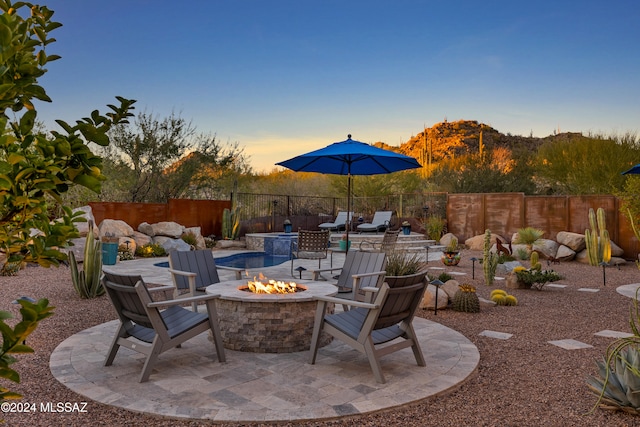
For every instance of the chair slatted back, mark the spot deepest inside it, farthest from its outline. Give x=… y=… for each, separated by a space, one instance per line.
x=399 y=305
x=200 y=262
x=313 y=241
x=124 y=297
x=359 y=262
x=389 y=240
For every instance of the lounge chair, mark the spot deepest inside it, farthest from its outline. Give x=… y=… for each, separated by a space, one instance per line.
x=380 y=222
x=367 y=326
x=193 y=271
x=360 y=269
x=310 y=245
x=339 y=224
x=156 y=331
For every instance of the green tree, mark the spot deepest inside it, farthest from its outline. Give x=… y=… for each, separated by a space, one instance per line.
x=585 y=164
x=34 y=168
x=489 y=171
x=158 y=159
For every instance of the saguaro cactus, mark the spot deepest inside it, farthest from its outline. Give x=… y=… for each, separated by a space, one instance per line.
x=230 y=224
x=597 y=238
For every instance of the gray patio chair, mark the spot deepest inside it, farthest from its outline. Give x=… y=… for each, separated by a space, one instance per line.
x=380 y=222
x=193 y=271
x=339 y=224
x=387 y=245
x=368 y=326
x=156 y=331
x=310 y=245
x=360 y=269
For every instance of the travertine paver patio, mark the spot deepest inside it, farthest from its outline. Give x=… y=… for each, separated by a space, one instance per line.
x=189 y=382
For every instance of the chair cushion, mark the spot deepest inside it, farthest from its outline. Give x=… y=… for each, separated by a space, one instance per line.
x=350 y=322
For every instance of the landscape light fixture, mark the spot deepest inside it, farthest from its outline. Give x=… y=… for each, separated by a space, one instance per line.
x=473 y=267
x=604 y=274
x=300 y=269
x=437 y=283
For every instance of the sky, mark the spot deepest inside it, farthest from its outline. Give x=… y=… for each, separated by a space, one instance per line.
x=284 y=77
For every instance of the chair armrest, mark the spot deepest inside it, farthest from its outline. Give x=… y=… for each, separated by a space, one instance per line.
x=365 y=243
x=161 y=288
x=238 y=271
x=182 y=273
x=348 y=302
x=195 y=299
x=374 y=273
x=370 y=289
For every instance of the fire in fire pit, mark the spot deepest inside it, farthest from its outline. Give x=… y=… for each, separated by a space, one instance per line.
x=269 y=286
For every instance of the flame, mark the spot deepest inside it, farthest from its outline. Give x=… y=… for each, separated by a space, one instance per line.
x=270 y=286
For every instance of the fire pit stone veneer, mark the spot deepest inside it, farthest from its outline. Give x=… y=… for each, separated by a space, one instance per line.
x=268 y=323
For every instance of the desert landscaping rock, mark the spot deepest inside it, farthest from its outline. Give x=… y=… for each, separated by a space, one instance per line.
x=115 y=228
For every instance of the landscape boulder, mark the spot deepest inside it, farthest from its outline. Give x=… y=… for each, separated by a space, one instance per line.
x=167 y=228
x=546 y=248
x=169 y=244
x=115 y=228
x=565 y=253
x=450 y=287
x=476 y=243
x=429 y=298
x=141 y=239
x=574 y=241
x=146 y=229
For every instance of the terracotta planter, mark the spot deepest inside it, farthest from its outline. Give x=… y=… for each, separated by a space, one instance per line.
x=450 y=258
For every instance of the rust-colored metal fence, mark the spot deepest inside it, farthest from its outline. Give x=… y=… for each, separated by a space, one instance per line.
x=504 y=213
x=206 y=214
x=467 y=215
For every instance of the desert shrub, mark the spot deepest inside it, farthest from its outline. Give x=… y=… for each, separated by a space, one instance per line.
x=190 y=239
x=150 y=250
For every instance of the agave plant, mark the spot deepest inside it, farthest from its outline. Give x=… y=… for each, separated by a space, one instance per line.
x=618 y=384
x=87 y=281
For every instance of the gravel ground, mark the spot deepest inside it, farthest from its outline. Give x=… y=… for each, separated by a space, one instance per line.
x=523 y=381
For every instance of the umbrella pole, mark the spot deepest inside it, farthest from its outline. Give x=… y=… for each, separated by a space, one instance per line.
x=349 y=219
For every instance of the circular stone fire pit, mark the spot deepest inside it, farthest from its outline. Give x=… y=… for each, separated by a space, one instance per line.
x=268 y=323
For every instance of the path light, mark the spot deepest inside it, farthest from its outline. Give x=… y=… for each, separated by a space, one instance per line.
x=300 y=269
x=473 y=267
x=604 y=274
x=437 y=283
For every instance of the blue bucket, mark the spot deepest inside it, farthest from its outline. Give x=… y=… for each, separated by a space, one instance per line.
x=109 y=253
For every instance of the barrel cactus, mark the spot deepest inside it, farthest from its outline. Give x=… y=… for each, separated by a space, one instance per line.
x=501 y=297
x=466 y=299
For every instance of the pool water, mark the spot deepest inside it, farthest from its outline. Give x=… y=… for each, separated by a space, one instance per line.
x=245 y=260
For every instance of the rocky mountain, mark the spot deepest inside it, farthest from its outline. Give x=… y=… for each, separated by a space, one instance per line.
x=447 y=140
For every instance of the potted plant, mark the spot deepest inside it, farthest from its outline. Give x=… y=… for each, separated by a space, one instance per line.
x=344 y=243
x=451 y=255
x=404 y=269
x=287 y=226
x=406 y=228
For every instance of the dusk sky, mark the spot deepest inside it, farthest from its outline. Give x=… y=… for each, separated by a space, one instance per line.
x=281 y=78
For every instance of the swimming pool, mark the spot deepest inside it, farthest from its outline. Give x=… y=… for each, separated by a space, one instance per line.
x=245 y=260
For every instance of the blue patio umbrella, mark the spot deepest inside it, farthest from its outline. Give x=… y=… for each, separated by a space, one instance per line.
x=633 y=171
x=349 y=158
